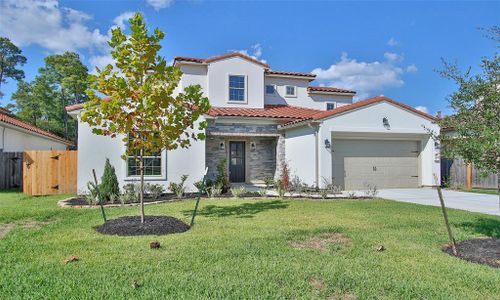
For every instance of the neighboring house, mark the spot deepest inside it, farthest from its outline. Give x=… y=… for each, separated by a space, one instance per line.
x=18 y=136
x=261 y=118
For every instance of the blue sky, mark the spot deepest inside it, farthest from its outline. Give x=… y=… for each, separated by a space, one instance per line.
x=390 y=48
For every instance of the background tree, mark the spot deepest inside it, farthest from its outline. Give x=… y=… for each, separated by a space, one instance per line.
x=476 y=114
x=140 y=106
x=10 y=58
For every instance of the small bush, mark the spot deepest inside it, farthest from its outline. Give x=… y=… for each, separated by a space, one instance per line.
x=178 y=188
x=296 y=185
x=262 y=192
x=92 y=196
x=222 y=176
x=238 y=191
x=280 y=187
x=371 y=190
x=214 y=190
x=109 y=183
x=269 y=182
x=154 y=190
x=285 y=177
x=130 y=193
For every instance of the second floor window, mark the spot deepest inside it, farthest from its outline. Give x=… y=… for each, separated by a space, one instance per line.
x=269 y=89
x=290 y=91
x=236 y=88
x=330 y=106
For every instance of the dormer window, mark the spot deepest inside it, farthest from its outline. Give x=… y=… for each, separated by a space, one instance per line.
x=330 y=105
x=290 y=91
x=237 y=88
x=270 y=88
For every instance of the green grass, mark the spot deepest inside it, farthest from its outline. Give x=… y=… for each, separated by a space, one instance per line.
x=239 y=249
x=482 y=191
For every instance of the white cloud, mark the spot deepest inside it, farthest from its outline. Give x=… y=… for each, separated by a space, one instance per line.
x=411 y=68
x=100 y=61
x=255 y=52
x=119 y=21
x=159 y=4
x=392 y=42
x=49 y=25
x=366 y=78
x=422 y=109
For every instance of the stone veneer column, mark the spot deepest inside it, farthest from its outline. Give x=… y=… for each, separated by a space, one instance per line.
x=280 y=155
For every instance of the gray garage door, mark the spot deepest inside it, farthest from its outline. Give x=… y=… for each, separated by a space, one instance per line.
x=383 y=163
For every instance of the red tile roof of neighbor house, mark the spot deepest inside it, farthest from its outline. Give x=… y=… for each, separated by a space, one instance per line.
x=7 y=118
x=74 y=107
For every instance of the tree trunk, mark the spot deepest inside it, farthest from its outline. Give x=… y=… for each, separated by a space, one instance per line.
x=498 y=187
x=141 y=194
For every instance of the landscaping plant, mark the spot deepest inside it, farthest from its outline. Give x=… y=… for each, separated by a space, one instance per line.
x=109 y=183
x=238 y=191
x=130 y=193
x=222 y=176
x=178 y=188
x=139 y=105
x=155 y=190
x=93 y=193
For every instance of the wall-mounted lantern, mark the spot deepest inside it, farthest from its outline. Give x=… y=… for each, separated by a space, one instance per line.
x=385 y=122
x=221 y=145
x=328 y=145
x=253 y=145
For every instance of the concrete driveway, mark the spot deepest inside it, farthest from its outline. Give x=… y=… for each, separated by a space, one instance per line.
x=482 y=203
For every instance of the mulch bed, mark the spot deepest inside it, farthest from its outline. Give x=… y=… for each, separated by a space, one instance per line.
x=483 y=251
x=153 y=225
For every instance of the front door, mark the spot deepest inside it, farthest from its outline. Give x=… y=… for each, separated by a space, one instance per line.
x=237 y=161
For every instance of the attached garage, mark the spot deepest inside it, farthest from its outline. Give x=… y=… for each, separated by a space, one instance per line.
x=383 y=163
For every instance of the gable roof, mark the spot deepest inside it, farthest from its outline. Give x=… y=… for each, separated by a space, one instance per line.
x=288 y=73
x=220 y=57
x=13 y=121
x=269 y=111
x=346 y=108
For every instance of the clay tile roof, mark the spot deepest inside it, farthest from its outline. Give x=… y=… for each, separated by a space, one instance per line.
x=216 y=58
x=74 y=107
x=8 y=118
x=329 y=90
x=269 y=111
x=286 y=73
x=328 y=113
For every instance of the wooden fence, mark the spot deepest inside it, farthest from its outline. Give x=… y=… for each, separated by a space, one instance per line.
x=49 y=172
x=457 y=174
x=11 y=170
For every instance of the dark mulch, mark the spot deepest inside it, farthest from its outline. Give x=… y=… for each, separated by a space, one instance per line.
x=153 y=225
x=484 y=251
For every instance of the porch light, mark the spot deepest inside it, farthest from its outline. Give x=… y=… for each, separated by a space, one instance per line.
x=253 y=145
x=328 y=145
x=221 y=145
x=385 y=122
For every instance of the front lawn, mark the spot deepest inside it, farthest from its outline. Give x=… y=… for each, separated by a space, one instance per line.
x=241 y=249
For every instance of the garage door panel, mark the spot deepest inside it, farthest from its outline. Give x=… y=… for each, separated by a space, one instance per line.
x=385 y=164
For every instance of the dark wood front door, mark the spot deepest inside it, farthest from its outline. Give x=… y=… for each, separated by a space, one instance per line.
x=237 y=161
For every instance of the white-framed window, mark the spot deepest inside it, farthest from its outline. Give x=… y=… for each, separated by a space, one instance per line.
x=270 y=88
x=331 y=105
x=237 y=89
x=152 y=164
x=290 y=91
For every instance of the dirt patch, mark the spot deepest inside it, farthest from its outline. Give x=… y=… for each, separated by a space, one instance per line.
x=484 y=251
x=317 y=283
x=5 y=228
x=322 y=242
x=153 y=225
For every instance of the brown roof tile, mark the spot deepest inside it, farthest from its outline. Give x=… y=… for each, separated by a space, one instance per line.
x=329 y=90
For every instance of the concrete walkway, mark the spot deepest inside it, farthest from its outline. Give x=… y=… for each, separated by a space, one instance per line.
x=475 y=202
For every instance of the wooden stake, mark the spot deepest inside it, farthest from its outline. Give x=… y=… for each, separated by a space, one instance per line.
x=445 y=215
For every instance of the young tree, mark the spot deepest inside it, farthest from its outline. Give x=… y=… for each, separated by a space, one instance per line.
x=10 y=57
x=476 y=118
x=141 y=104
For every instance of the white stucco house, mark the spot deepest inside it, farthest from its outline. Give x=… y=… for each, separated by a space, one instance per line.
x=261 y=118
x=18 y=136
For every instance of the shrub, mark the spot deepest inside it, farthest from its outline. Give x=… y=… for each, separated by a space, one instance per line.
x=285 y=177
x=222 y=176
x=109 y=183
x=371 y=190
x=130 y=193
x=154 y=190
x=178 y=188
x=262 y=192
x=269 y=182
x=296 y=185
x=214 y=190
x=92 y=196
x=238 y=191
x=280 y=187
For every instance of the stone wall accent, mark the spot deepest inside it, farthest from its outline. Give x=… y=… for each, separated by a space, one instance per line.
x=280 y=156
x=260 y=160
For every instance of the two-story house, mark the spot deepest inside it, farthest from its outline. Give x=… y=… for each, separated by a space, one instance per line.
x=262 y=118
